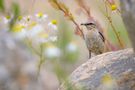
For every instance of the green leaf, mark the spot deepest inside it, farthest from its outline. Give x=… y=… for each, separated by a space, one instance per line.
x=16 y=11
x=2 y=7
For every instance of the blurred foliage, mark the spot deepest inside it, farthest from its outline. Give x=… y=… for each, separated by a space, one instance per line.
x=16 y=12
x=54 y=41
x=2 y=5
x=67 y=43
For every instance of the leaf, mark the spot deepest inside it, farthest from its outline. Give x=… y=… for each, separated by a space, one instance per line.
x=16 y=11
x=2 y=7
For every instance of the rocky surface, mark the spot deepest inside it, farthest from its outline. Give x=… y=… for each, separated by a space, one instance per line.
x=116 y=68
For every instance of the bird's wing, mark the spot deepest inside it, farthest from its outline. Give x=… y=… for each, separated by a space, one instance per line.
x=102 y=37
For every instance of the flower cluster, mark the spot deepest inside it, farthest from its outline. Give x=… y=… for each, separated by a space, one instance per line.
x=37 y=28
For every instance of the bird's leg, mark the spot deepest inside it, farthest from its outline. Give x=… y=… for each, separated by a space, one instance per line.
x=89 y=54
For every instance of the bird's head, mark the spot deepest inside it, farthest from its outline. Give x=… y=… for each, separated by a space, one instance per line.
x=89 y=26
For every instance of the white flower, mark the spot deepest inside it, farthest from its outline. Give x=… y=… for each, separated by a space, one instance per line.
x=53 y=38
x=41 y=40
x=34 y=31
x=42 y=37
x=52 y=52
x=19 y=31
x=41 y=17
x=7 y=19
x=52 y=26
x=27 y=18
x=71 y=47
x=19 y=18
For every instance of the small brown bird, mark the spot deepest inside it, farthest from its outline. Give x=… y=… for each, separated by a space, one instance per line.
x=94 y=39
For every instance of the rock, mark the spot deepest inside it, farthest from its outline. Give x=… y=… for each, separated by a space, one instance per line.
x=108 y=71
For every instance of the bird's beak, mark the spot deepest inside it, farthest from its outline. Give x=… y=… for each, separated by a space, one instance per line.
x=83 y=24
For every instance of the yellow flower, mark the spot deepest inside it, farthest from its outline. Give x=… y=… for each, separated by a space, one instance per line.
x=8 y=17
x=20 y=18
x=113 y=7
x=54 y=22
x=17 y=28
x=107 y=79
x=39 y=15
x=33 y=24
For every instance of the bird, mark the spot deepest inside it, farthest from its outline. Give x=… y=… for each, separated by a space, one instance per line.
x=94 y=39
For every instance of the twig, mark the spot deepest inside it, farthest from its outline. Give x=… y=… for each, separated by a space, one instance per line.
x=41 y=59
x=69 y=14
x=113 y=28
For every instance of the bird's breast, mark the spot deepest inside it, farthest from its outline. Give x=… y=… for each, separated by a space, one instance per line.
x=94 y=41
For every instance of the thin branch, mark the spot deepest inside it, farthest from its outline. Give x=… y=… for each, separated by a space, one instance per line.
x=41 y=59
x=32 y=6
x=69 y=14
x=113 y=27
x=32 y=48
